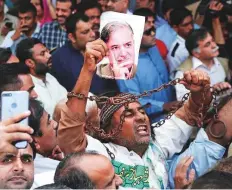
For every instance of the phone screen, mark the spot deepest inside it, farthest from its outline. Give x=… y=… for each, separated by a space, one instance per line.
x=14 y=103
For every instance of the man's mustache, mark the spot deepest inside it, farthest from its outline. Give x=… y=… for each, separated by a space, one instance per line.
x=61 y=17
x=215 y=49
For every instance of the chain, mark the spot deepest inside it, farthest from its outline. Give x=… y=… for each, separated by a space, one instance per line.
x=120 y=100
x=170 y=114
x=215 y=104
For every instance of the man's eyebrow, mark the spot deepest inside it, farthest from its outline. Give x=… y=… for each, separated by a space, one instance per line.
x=31 y=88
x=27 y=155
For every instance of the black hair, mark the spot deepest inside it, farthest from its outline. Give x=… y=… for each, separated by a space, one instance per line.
x=144 y=12
x=171 y=4
x=76 y=179
x=53 y=186
x=194 y=37
x=24 y=48
x=32 y=145
x=73 y=19
x=87 y=4
x=37 y=110
x=27 y=7
x=73 y=3
x=9 y=80
x=213 y=180
x=177 y=16
x=5 y=54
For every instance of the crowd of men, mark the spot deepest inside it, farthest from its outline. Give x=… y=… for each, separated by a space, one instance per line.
x=89 y=132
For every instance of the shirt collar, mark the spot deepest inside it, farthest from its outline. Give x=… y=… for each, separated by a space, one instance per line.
x=40 y=81
x=180 y=39
x=37 y=29
x=129 y=12
x=197 y=62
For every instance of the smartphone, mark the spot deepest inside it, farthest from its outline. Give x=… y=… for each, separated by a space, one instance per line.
x=14 y=103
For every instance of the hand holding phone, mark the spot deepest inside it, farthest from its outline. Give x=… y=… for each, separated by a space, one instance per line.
x=11 y=131
x=13 y=104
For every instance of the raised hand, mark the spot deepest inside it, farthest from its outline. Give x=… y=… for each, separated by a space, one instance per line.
x=119 y=70
x=94 y=53
x=11 y=131
x=222 y=86
x=182 y=179
x=196 y=80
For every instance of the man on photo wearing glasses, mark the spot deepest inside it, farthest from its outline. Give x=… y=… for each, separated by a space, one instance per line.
x=119 y=38
x=151 y=73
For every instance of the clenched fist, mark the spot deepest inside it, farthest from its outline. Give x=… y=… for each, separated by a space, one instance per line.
x=196 y=80
x=94 y=53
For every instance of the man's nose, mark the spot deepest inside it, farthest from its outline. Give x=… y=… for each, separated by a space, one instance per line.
x=109 y=3
x=22 y=22
x=92 y=35
x=48 y=55
x=140 y=116
x=118 y=180
x=96 y=20
x=190 y=26
x=18 y=166
x=33 y=94
x=59 y=13
x=122 y=51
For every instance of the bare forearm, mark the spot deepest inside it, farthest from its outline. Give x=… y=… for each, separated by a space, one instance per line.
x=52 y=11
x=217 y=31
x=197 y=104
x=82 y=86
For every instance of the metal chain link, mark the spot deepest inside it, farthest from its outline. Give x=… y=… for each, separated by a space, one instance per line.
x=120 y=100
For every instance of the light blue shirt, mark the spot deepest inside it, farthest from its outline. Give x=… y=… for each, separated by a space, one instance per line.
x=159 y=21
x=166 y=34
x=151 y=73
x=206 y=154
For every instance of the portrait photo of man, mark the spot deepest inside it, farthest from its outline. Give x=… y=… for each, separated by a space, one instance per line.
x=121 y=61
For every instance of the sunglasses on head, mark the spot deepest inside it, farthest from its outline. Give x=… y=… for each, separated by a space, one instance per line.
x=149 y=31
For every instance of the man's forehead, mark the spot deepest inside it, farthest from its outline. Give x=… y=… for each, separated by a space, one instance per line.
x=81 y=25
x=39 y=47
x=187 y=20
x=121 y=34
x=208 y=38
x=22 y=15
x=19 y=152
x=131 y=106
x=92 y=11
x=64 y=5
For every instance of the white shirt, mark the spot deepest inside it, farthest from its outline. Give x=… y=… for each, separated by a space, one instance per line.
x=49 y=93
x=216 y=73
x=43 y=179
x=44 y=170
x=170 y=139
x=177 y=54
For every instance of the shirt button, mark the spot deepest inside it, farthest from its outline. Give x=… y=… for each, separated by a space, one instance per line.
x=131 y=154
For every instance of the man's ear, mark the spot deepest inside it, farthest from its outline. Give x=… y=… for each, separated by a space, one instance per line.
x=30 y=63
x=196 y=53
x=71 y=38
x=37 y=146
